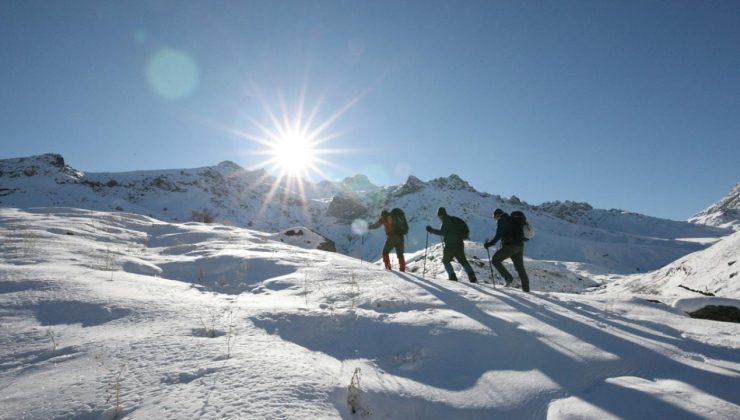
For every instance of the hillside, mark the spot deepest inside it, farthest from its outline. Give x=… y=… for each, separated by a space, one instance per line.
x=116 y=314
x=724 y=213
x=611 y=240
x=714 y=270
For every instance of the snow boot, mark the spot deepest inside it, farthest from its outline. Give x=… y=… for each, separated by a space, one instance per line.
x=402 y=263
x=387 y=261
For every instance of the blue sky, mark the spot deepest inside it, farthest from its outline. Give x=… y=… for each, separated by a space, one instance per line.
x=632 y=105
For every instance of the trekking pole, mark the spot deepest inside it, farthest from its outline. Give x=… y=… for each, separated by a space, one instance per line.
x=426 y=245
x=362 y=248
x=490 y=265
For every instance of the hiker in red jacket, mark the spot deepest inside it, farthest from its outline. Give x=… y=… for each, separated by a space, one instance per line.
x=395 y=227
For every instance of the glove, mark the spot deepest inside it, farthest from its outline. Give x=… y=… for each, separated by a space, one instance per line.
x=429 y=228
x=487 y=244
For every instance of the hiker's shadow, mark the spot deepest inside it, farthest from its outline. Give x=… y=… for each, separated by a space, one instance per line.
x=453 y=343
x=574 y=375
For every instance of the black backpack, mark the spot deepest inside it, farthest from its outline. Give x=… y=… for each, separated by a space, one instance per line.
x=527 y=231
x=400 y=226
x=460 y=227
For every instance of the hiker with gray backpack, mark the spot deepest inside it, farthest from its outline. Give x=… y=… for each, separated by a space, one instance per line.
x=454 y=230
x=396 y=227
x=511 y=230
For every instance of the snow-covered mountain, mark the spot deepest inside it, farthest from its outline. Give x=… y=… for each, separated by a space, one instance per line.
x=116 y=315
x=615 y=240
x=724 y=213
x=713 y=271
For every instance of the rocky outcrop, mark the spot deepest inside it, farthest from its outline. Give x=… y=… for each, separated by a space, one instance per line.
x=412 y=185
x=570 y=211
x=452 y=182
x=346 y=207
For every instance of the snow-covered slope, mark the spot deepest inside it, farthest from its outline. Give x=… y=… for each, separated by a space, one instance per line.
x=570 y=232
x=724 y=213
x=715 y=270
x=115 y=314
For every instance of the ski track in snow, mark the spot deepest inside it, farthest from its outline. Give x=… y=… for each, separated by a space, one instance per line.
x=206 y=321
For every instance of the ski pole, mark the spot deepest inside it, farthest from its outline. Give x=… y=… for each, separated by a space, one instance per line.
x=426 y=245
x=490 y=265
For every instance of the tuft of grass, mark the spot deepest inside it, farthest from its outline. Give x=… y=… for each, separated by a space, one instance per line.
x=28 y=240
x=354 y=394
x=50 y=334
x=113 y=391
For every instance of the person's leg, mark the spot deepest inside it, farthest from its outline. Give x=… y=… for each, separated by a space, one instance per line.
x=386 y=253
x=446 y=258
x=399 y=254
x=518 y=259
x=460 y=256
x=497 y=260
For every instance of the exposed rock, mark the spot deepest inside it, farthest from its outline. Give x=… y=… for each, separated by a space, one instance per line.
x=570 y=211
x=412 y=185
x=453 y=182
x=328 y=245
x=718 y=313
x=346 y=207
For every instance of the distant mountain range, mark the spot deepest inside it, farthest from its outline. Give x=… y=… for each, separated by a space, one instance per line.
x=616 y=240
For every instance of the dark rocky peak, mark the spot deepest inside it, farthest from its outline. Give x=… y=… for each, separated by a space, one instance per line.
x=452 y=182
x=412 y=185
x=571 y=211
x=50 y=164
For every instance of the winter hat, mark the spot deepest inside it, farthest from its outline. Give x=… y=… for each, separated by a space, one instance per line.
x=384 y=213
x=497 y=212
x=441 y=212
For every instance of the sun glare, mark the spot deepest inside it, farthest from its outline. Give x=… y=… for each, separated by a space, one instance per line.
x=294 y=154
x=293 y=144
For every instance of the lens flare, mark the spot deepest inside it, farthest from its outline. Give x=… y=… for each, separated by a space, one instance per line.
x=172 y=74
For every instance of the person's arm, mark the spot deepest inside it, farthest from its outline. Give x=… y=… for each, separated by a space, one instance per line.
x=434 y=231
x=499 y=233
x=377 y=224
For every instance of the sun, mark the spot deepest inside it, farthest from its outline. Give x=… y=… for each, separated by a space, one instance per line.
x=293 y=141
x=294 y=153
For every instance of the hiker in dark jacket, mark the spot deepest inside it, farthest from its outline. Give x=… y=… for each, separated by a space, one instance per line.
x=454 y=246
x=512 y=246
x=393 y=240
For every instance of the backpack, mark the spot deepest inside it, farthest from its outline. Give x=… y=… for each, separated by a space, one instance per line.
x=521 y=220
x=400 y=226
x=460 y=227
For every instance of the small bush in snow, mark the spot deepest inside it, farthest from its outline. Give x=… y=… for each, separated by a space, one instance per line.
x=113 y=391
x=50 y=334
x=354 y=392
x=214 y=320
x=203 y=216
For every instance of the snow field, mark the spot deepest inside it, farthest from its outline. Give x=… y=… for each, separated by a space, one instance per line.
x=112 y=313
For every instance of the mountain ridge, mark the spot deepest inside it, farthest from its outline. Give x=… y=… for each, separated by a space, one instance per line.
x=339 y=211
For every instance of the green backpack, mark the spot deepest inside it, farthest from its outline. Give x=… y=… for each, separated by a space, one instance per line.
x=400 y=226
